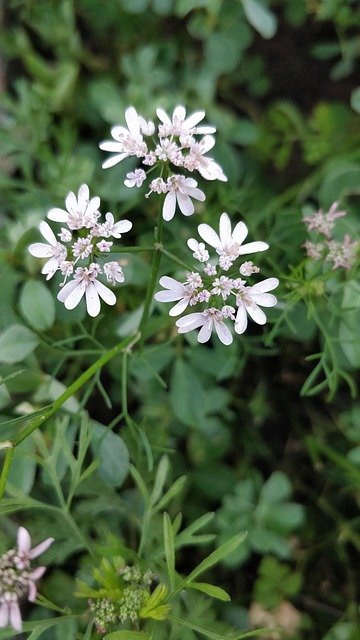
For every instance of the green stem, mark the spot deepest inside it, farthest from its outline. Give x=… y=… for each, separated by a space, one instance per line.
x=57 y=404
x=153 y=277
x=174 y=258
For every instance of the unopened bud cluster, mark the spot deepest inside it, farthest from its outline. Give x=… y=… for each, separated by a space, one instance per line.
x=108 y=612
x=341 y=254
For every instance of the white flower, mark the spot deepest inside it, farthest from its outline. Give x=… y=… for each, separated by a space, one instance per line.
x=85 y=282
x=158 y=185
x=222 y=287
x=65 y=235
x=54 y=250
x=207 y=167
x=24 y=551
x=248 y=268
x=249 y=301
x=180 y=191
x=81 y=211
x=135 y=178
x=198 y=249
x=113 y=272
x=179 y=125
x=128 y=142
x=174 y=290
x=228 y=244
x=208 y=320
x=104 y=246
x=82 y=248
x=112 y=228
x=210 y=269
x=168 y=150
x=10 y=612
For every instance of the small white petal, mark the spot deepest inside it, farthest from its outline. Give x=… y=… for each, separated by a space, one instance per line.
x=171 y=283
x=256 y=313
x=57 y=215
x=193 y=120
x=179 y=113
x=207 y=143
x=168 y=296
x=40 y=250
x=118 y=132
x=40 y=548
x=179 y=307
x=240 y=232
x=163 y=116
x=168 y=211
x=189 y=322
x=223 y=333
x=112 y=147
x=66 y=290
x=253 y=247
x=75 y=296
x=241 y=319
x=71 y=203
x=186 y=206
x=205 y=331
x=111 y=162
x=209 y=235
x=23 y=540
x=15 y=616
x=4 y=615
x=105 y=293
x=92 y=300
x=93 y=206
x=225 y=228
x=132 y=121
x=83 y=196
x=264 y=299
x=265 y=285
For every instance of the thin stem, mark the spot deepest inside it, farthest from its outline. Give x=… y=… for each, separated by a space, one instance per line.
x=57 y=404
x=153 y=277
x=115 y=249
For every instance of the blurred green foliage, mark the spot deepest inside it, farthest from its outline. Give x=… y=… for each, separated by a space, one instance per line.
x=279 y=82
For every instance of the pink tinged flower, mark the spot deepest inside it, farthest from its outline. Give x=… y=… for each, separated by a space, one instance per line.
x=175 y=290
x=229 y=244
x=135 y=178
x=342 y=254
x=81 y=211
x=104 y=246
x=113 y=272
x=179 y=124
x=158 y=185
x=222 y=287
x=82 y=248
x=323 y=222
x=10 y=613
x=24 y=551
x=180 y=191
x=208 y=320
x=314 y=250
x=65 y=235
x=248 y=268
x=54 y=250
x=128 y=142
x=207 y=167
x=33 y=577
x=85 y=283
x=114 y=229
x=210 y=269
x=198 y=249
x=249 y=301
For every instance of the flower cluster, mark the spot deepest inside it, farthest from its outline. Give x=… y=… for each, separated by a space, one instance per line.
x=18 y=579
x=222 y=294
x=175 y=149
x=340 y=254
x=76 y=250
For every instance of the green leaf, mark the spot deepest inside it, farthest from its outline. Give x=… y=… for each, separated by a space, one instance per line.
x=217 y=556
x=22 y=472
x=16 y=343
x=259 y=16
x=160 y=479
x=127 y=635
x=187 y=395
x=276 y=488
x=114 y=456
x=355 y=100
x=211 y=590
x=37 y=305
x=169 y=549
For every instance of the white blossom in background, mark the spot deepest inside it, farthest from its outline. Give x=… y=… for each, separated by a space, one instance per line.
x=224 y=298
x=87 y=238
x=18 y=579
x=177 y=144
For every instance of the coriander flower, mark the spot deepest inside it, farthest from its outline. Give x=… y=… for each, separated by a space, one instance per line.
x=17 y=579
x=128 y=142
x=229 y=244
x=250 y=299
x=209 y=294
x=175 y=290
x=112 y=228
x=81 y=212
x=135 y=178
x=85 y=283
x=208 y=320
x=54 y=250
x=207 y=167
x=180 y=125
x=180 y=190
x=323 y=222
